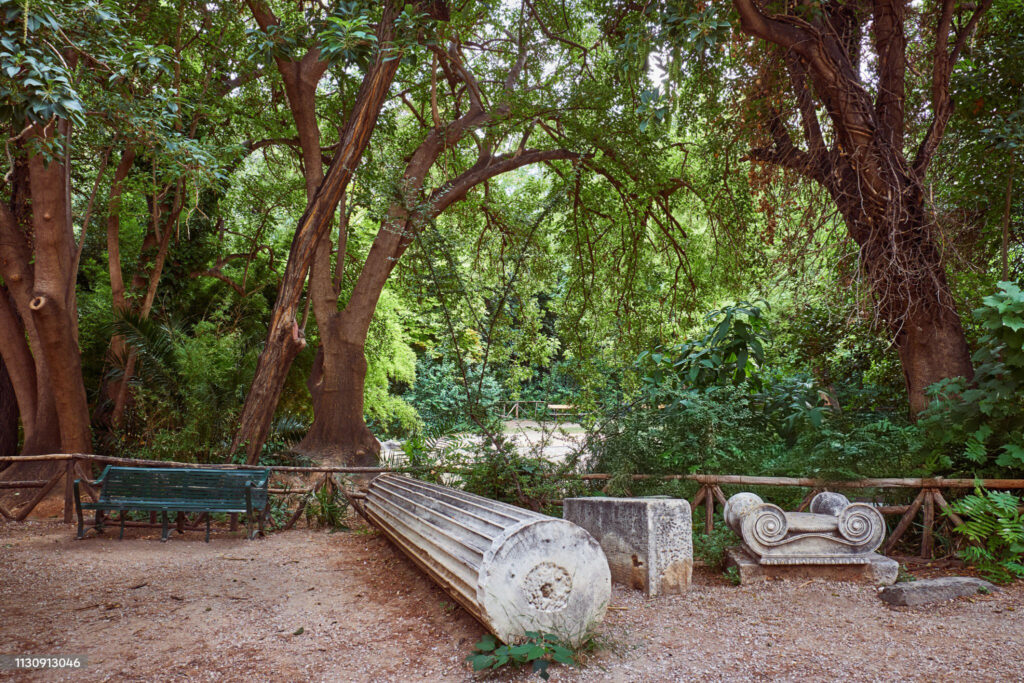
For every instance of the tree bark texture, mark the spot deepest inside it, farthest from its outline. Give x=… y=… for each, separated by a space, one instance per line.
x=8 y=414
x=38 y=318
x=878 y=190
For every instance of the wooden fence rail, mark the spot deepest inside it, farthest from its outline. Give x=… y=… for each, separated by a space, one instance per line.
x=709 y=493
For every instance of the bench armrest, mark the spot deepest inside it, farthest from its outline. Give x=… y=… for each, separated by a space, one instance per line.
x=102 y=477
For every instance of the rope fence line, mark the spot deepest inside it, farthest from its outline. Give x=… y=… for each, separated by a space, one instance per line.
x=709 y=494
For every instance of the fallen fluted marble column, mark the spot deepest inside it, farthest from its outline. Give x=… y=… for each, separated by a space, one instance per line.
x=513 y=569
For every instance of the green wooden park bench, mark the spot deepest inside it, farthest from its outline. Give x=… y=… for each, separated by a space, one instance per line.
x=178 y=490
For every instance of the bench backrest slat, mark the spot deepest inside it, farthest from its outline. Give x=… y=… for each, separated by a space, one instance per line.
x=184 y=485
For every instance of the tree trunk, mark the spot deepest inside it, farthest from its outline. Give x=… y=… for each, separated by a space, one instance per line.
x=8 y=414
x=38 y=317
x=284 y=341
x=55 y=322
x=931 y=347
x=904 y=268
x=876 y=187
x=339 y=432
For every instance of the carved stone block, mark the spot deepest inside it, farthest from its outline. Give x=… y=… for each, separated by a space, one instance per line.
x=835 y=531
x=648 y=541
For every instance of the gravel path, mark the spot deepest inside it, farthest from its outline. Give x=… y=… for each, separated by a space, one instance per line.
x=232 y=610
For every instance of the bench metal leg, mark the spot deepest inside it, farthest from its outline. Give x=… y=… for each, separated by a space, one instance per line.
x=166 y=529
x=248 y=510
x=78 y=509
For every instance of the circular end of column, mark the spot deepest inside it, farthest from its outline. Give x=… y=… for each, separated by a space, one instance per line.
x=828 y=503
x=545 y=575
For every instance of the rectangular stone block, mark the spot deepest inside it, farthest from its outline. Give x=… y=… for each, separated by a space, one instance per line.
x=648 y=541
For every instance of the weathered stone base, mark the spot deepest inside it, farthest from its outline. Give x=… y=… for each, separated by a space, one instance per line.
x=648 y=541
x=879 y=570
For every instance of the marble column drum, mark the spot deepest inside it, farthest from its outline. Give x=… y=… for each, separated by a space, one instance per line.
x=513 y=569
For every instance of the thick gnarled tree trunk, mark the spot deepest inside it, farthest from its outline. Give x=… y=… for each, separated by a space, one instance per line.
x=8 y=414
x=38 y=317
x=339 y=432
x=877 y=188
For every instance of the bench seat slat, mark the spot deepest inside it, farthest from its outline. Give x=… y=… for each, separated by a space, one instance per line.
x=169 y=506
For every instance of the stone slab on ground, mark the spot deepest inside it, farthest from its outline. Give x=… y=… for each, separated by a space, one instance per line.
x=879 y=570
x=926 y=591
x=648 y=541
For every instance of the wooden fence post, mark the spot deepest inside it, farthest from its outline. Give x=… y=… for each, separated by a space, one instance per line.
x=905 y=522
x=929 y=524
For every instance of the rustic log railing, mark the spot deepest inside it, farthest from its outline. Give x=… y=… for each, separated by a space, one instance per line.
x=709 y=492
x=510 y=410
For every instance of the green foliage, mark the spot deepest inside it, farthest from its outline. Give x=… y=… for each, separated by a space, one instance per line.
x=492 y=466
x=732 y=574
x=977 y=425
x=996 y=527
x=348 y=36
x=710 y=548
x=497 y=469
x=439 y=395
x=391 y=363
x=189 y=388
x=732 y=351
x=739 y=414
x=36 y=84
x=327 y=507
x=904 y=576
x=848 y=358
x=537 y=649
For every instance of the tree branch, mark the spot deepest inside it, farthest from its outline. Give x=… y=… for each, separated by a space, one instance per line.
x=456 y=189
x=942 y=70
x=755 y=23
x=808 y=114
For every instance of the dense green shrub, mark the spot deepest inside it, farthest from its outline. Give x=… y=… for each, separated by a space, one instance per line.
x=995 y=525
x=978 y=426
x=492 y=466
x=716 y=406
x=188 y=388
x=440 y=396
x=391 y=362
x=847 y=356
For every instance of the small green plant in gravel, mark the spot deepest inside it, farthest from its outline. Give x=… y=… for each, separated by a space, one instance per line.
x=538 y=649
x=710 y=548
x=327 y=508
x=733 y=575
x=904 y=576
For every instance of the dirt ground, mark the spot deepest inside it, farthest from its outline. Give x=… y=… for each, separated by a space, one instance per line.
x=346 y=606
